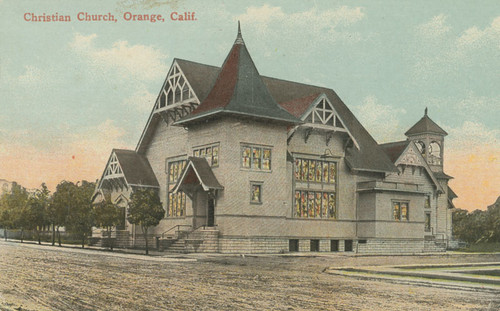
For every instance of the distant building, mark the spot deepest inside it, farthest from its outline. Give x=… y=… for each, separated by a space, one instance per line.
x=253 y=164
x=5 y=186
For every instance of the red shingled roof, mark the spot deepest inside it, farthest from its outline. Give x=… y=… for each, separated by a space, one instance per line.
x=298 y=106
x=223 y=90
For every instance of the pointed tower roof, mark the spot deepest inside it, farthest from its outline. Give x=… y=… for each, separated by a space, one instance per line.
x=239 y=90
x=425 y=125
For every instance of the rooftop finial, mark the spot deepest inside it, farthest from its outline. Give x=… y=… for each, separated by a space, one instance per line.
x=239 y=38
x=425 y=111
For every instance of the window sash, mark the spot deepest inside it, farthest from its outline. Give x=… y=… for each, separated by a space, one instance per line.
x=315 y=204
x=256 y=158
x=210 y=153
x=309 y=170
x=401 y=211
x=256 y=193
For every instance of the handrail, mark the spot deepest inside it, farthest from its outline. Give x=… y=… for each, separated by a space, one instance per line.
x=176 y=226
x=206 y=226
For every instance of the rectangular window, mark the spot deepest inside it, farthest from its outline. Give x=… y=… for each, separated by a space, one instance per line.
x=315 y=171
x=256 y=158
x=315 y=204
x=348 y=245
x=210 y=153
x=427 y=202
x=334 y=245
x=314 y=245
x=176 y=202
x=427 y=222
x=293 y=245
x=256 y=193
x=400 y=211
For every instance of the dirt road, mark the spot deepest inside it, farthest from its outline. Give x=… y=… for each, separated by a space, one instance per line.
x=46 y=278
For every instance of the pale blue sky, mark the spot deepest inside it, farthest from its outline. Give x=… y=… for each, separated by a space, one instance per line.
x=80 y=89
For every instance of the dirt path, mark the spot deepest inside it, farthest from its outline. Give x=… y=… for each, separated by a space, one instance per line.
x=44 y=278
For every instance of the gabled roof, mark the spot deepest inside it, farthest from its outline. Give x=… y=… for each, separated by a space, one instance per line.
x=240 y=90
x=296 y=98
x=198 y=171
x=451 y=194
x=136 y=168
x=425 y=125
x=442 y=175
x=395 y=149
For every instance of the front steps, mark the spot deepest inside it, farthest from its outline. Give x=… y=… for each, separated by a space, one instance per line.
x=202 y=240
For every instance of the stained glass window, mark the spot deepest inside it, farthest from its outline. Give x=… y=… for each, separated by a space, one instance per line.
x=211 y=154
x=400 y=211
x=176 y=205
x=315 y=204
x=298 y=168
x=312 y=166
x=256 y=158
x=427 y=222
x=315 y=171
x=256 y=194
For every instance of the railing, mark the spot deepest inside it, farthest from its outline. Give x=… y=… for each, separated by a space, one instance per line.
x=176 y=231
x=205 y=227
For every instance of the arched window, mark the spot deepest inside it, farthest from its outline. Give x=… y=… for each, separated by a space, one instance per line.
x=421 y=146
x=435 y=149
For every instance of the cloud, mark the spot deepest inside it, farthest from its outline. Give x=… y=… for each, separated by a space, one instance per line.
x=64 y=156
x=474 y=37
x=434 y=28
x=380 y=120
x=472 y=156
x=437 y=54
x=141 y=100
x=141 y=62
x=31 y=75
x=307 y=28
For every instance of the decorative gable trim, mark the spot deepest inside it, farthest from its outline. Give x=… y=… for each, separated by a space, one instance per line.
x=412 y=157
x=113 y=174
x=168 y=106
x=322 y=115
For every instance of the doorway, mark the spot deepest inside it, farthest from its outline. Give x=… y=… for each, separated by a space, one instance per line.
x=211 y=212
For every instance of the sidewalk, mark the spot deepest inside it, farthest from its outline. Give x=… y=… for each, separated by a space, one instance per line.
x=123 y=253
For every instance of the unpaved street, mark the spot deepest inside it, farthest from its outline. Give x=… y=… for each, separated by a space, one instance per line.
x=46 y=278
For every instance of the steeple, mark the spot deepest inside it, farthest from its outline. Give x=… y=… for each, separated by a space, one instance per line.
x=239 y=90
x=425 y=125
x=429 y=139
x=239 y=38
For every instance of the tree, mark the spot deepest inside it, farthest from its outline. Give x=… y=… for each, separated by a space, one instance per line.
x=5 y=215
x=37 y=210
x=80 y=216
x=59 y=208
x=17 y=204
x=108 y=216
x=145 y=210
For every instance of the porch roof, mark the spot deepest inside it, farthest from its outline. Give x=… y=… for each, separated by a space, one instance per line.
x=197 y=171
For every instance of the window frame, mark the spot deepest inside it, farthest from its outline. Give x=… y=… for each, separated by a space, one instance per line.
x=429 y=227
x=172 y=208
x=258 y=184
x=252 y=159
x=302 y=173
x=211 y=146
x=400 y=210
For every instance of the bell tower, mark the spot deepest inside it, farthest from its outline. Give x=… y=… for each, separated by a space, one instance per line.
x=429 y=138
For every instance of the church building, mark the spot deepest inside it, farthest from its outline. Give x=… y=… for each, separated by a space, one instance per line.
x=245 y=163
